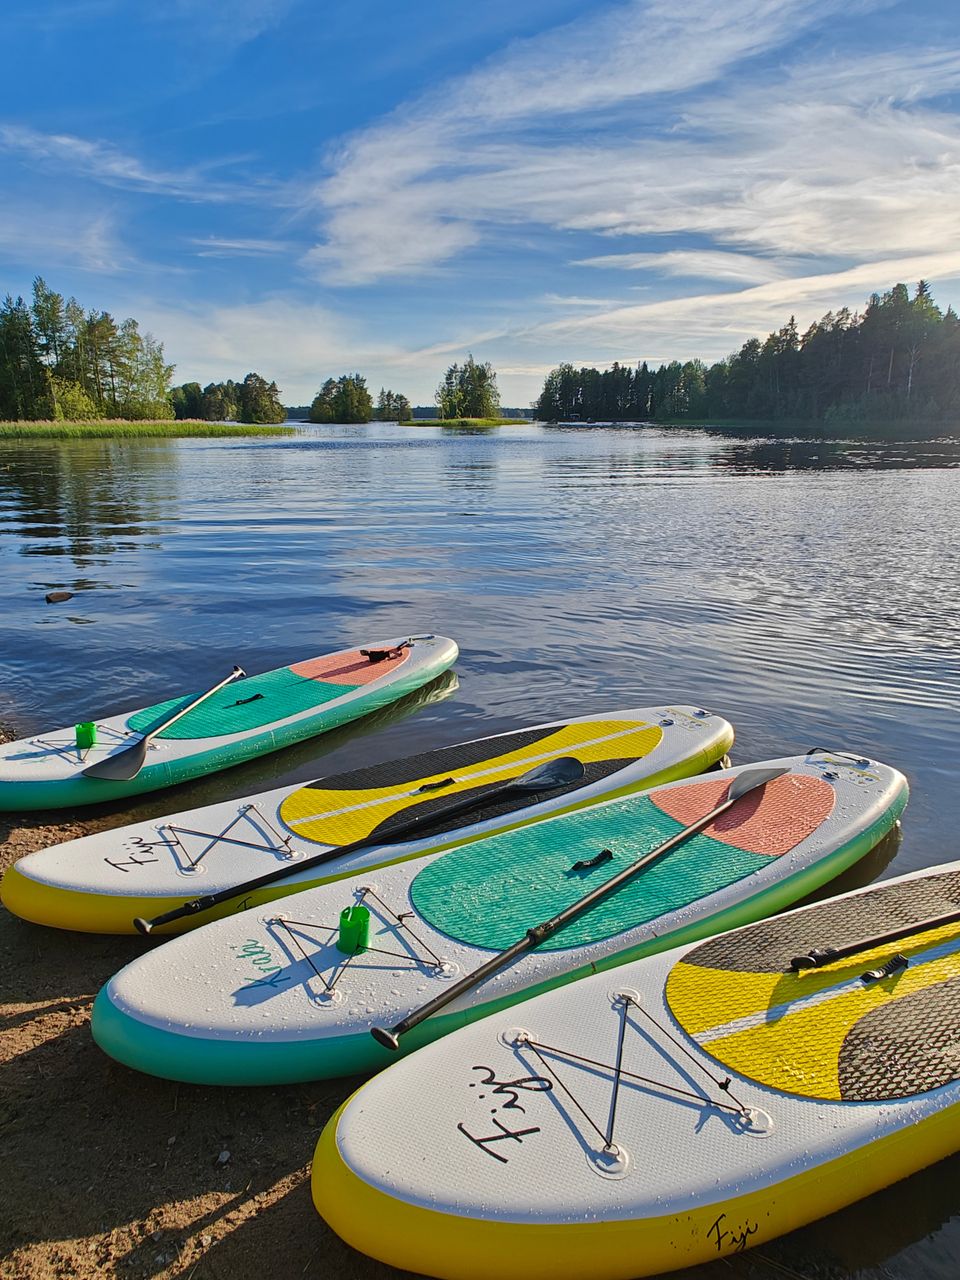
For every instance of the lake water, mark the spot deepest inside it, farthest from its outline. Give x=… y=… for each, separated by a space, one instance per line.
x=808 y=591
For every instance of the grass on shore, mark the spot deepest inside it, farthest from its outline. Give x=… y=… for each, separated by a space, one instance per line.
x=466 y=422
x=119 y=428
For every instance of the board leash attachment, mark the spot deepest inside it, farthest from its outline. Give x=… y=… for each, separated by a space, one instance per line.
x=741 y=785
x=563 y=771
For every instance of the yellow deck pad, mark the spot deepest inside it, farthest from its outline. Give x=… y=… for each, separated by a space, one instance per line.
x=339 y=817
x=787 y=1030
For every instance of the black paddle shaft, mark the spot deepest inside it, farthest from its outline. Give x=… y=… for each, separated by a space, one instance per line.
x=562 y=771
x=390 y=1038
x=816 y=957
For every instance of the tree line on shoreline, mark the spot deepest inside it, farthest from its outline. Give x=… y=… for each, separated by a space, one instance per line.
x=466 y=391
x=60 y=362
x=898 y=359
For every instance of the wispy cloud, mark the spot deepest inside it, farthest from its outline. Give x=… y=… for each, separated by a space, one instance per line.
x=837 y=157
x=61 y=238
x=103 y=162
x=700 y=324
x=233 y=21
x=704 y=264
x=220 y=247
x=228 y=22
x=297 y=345
x=498 y=147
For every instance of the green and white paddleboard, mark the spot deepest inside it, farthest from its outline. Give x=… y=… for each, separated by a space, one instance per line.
x=246 y=718
x=291 y=992
x=101 y=882
x=682 y=1109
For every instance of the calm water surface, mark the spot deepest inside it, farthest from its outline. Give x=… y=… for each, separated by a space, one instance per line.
x=807 y=591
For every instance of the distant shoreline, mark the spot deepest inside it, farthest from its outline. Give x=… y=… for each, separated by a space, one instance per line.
x=789 y=428
x=466 y=422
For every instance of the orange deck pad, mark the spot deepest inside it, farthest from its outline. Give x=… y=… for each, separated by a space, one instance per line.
x=769 y=821
x=348 y=668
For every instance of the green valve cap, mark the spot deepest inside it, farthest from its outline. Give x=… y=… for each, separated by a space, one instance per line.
x=86 y=735
x=354 y=930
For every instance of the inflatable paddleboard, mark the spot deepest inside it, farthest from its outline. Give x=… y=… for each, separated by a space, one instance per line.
x=248 y=717
x=679 y=1110
x=100 y=882
x=291 y=992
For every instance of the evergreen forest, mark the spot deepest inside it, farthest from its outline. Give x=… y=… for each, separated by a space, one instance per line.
x=58 y=361
x=898 y=360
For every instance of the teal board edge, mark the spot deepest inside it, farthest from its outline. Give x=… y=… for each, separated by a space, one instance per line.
x=200 y=1060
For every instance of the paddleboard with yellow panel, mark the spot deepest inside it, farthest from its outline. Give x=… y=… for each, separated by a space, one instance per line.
x=239 y=718
x=101 y=882
x=680 y=1109
x=293 y=991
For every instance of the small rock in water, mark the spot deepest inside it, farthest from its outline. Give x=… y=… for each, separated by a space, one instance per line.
x=58 y=597
x=223 y=1157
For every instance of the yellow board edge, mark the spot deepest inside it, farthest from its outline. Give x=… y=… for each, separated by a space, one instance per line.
x=80 y=912
x=459 y=1248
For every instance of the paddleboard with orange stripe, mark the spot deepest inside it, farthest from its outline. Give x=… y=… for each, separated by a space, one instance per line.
x=245 y=718
x=680 y=1109
x=101 y=882
x=291 y=992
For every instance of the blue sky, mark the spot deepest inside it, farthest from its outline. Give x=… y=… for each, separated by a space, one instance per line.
x=306 y=188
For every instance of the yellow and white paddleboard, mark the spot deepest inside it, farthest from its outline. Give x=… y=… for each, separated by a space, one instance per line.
x=101 y=882
x=680 y=1109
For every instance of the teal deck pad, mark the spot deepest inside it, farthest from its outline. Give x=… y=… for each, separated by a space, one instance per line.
x=487 y=894
x=237 y=709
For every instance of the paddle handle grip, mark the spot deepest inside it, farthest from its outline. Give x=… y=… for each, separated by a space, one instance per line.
x=816 y=957
x=390 y=1037
x=187 y=909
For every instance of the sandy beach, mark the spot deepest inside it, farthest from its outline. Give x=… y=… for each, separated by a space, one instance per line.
x=111 y=1173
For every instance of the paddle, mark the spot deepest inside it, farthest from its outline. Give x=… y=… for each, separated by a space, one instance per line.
x=744 y=782
x=126 y=764
x=817 y=957
x=560 y=772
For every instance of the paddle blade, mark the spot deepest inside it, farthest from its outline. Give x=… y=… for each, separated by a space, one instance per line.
x=554 y=773
x=750 y=779
x=122 y=766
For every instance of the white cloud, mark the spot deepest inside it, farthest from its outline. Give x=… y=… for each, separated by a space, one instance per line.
x=232 y=21
x=219 y=247
x=50 y=237
x=709 y=325
x=699 y=263
x=297 y=346
x=618 y=128
x=107 y=164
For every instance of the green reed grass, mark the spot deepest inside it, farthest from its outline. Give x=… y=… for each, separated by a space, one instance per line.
x=123 y=429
